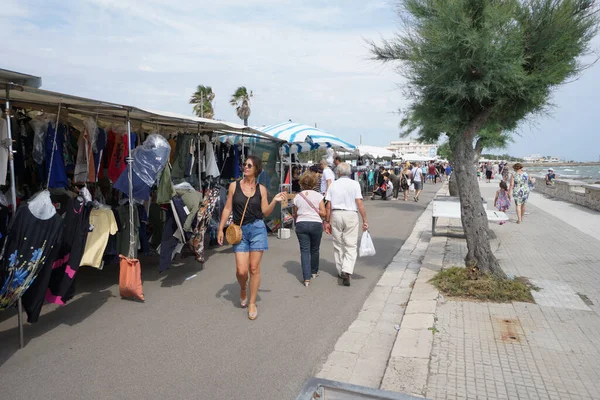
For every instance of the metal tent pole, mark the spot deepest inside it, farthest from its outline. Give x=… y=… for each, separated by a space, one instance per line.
x=130 y=173
x=13 y=195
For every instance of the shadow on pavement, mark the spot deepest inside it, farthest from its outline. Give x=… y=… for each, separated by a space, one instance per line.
x=71 y=314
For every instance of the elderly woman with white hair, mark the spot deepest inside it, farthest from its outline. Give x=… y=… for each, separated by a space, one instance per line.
x=344 y=203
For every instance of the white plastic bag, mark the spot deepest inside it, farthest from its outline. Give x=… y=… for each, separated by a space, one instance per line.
x=366 y=245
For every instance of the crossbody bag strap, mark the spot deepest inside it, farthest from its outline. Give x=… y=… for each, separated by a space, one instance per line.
x=246 y=206
x=310 y=204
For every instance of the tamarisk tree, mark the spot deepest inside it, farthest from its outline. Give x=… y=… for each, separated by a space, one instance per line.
x=475 y=68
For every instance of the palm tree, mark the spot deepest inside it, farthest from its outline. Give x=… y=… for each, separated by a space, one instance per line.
x=202 y=100
x=241 y=101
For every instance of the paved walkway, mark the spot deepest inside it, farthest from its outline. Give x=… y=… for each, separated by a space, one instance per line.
x=449 y=349
x=190 y=340
x=548 y=350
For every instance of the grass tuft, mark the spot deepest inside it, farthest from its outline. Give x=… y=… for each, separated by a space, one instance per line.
x=456 y=282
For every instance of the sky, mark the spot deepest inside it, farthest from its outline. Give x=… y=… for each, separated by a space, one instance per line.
x=307 y=61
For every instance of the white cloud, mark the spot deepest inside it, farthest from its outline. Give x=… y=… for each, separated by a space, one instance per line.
x=146 y=68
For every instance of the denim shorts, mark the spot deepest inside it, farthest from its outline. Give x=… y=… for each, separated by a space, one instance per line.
x=254 y=238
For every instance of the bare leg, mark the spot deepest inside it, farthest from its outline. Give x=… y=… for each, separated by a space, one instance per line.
x=519 y=210
x=242 y=263
x=255 y=258
x=522 y=211
x=405 y=195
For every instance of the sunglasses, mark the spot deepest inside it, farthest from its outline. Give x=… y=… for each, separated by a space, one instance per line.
x=248 y=165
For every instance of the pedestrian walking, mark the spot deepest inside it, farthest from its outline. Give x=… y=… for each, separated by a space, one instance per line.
x=502 y=199
x=309 y=211
x=327 y=178
x=344 y=203
x=248 y=201
x=395 y=180
x=405 y=182
x=519 y=187
x=417 y=178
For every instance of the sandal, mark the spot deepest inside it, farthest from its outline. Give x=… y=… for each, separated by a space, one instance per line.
x=243 y=299
x=252 y=314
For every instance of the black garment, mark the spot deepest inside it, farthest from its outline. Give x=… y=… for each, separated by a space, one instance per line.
x=77 y=226
x=168 y=242
x=27 y=257
x=254 y=209
x=380 y=180
x=4 y=221
x=296 y=186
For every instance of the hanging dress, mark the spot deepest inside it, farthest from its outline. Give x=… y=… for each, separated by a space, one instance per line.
x=77 y=226
x=26 y=262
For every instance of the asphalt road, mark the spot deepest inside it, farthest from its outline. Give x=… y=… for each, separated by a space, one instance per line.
x=190 y=339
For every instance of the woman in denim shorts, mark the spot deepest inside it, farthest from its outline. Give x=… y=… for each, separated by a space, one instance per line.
x=248 y=253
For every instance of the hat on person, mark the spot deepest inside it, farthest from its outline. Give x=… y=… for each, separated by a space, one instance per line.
x=550 y=169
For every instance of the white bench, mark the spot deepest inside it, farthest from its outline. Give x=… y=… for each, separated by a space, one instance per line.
x=449 y=207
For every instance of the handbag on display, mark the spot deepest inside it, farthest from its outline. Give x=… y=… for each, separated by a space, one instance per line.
x=234 y=231
x=130 y=278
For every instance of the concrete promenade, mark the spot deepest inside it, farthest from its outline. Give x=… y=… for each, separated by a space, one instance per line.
x=190 y=339
x=452 y=349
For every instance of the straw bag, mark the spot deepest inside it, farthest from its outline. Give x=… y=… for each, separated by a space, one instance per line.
x=234 y=232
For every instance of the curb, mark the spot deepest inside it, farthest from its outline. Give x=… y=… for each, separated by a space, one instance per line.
x=408 y=366
x=361 y=354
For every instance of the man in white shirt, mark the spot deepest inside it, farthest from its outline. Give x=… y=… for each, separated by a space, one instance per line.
x=327 y=178
x=344 y=203
x=417 y=178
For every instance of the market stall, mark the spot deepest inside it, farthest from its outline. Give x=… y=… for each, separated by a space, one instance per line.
x=65 y=148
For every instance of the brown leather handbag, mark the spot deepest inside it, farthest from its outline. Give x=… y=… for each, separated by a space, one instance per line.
x=234 y=232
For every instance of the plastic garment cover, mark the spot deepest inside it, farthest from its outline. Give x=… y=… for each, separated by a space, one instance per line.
x=183 y=186
x=39 y=127
x=150 y=158
x=41 y=205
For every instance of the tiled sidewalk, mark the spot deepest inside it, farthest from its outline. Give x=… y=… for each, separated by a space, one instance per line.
x=548 y=350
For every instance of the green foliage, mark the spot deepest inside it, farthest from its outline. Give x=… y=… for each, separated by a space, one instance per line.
x=202 y=100
x=488 y=60
x=457 y=282
x=504 y=157
x=444 y=151
x=241 y=101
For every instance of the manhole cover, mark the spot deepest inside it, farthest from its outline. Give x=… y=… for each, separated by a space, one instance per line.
x=508 y=329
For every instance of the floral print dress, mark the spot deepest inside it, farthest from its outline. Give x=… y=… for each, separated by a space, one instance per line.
x=521 y=188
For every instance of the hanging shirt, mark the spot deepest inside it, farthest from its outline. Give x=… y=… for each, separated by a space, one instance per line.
x=102 y=224
x=57 y=171
x=99 y=151
x=30 y=247
x=85 y=171
x=212 y=169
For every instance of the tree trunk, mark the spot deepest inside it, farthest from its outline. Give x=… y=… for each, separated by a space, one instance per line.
x=452 y=185
x=245 y=121
x=473 y=215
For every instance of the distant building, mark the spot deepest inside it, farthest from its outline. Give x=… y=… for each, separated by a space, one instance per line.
x=422 y=149
x=537 y=158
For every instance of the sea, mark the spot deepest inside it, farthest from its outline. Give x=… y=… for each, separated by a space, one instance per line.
x=586 y=173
